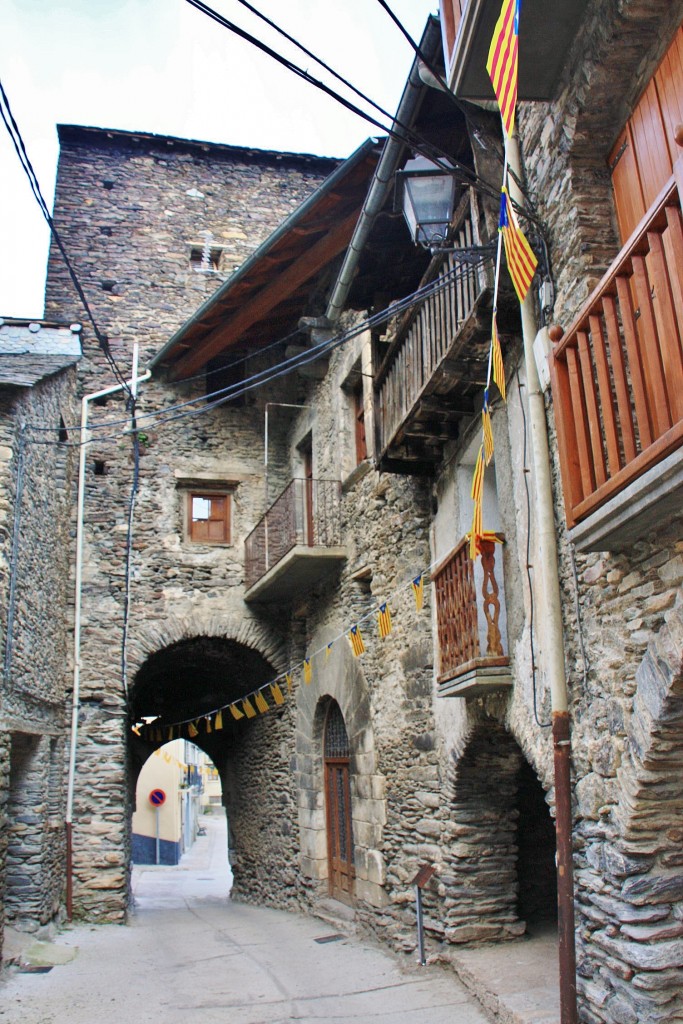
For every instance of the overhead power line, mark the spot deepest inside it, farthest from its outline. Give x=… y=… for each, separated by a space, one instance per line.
x=20 y=149
x=405 y=135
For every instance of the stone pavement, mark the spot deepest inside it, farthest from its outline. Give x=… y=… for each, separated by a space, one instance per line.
x=190 y=955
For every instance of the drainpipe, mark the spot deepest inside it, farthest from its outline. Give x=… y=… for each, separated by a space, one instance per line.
x=75 y=699
x=552 y=639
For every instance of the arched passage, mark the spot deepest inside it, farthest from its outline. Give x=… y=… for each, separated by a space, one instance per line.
x=503 y=858
x=187 y=681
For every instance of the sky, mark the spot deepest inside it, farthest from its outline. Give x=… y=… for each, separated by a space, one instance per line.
x=162 y=66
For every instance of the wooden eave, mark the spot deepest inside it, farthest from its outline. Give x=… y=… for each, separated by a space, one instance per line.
x=274 y=284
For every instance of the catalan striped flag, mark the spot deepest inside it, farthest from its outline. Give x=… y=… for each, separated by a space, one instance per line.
x=519 y=255
x=384 y=620
x=289 y=681
x=278 y=695
x=418 y=591
x=487 y=431
x=503 y=60
x=248 y=708
x=477 y=495
x=218 y=721
x=356 y=639
x=497 y=360
x=235 y=712
x=308 y=670
x=261 y=702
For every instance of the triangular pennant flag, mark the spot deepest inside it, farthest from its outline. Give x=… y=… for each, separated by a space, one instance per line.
x=520 y=257
x=488 y=433
x=328 y=649
x=288 y=680
x=169 y=733
x=248 y=708
x=418 y=590
x=159 y=736
x=384 y=620
x=308 y=670
x=278 y=695
x=261 y=702
x=356 y=639
x=136 y=730
x=502 y=62
x=235 y=712
x=218 y=721
x=192 y=729
x=207 y=719
x=497 y=360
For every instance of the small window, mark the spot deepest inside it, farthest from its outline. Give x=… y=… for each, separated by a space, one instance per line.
x=209 y=518
x=359 y=418
x=206 y=259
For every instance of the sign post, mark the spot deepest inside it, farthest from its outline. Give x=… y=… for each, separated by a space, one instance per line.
x=421 y=878
x=157 y=798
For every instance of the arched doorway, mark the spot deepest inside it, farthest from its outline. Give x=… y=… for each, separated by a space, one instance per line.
x=340 y=853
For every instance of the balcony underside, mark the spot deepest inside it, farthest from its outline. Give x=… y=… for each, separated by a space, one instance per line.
x=544 y=42
x=477 y=678
x=295 y=574
x=650 y=500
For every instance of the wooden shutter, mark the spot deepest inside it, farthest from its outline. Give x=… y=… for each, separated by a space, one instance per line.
x=642 y=160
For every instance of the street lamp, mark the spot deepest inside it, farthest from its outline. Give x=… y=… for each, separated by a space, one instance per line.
x=427 y=196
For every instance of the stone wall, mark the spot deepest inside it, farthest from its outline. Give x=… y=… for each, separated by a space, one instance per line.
x=621 y=618
x=129 y=209
x=36 y=478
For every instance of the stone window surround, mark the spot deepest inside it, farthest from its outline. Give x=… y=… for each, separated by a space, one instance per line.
x=207 y=485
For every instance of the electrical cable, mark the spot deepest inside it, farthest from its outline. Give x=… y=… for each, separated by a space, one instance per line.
x=286 y=366
x=20 y=148
x=525 y=471
x=406 y=136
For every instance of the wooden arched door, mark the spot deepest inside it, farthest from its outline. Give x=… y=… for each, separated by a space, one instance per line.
x=338 y=805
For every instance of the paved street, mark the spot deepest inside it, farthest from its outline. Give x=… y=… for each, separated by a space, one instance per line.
x=191 y=955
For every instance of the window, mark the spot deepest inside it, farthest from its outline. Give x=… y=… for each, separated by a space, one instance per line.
x=359 y=419
x=208 y=518
x=206 y=258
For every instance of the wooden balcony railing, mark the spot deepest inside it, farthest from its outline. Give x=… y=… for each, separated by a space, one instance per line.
x=617 y=374
x=307 y=513
x=424 y=339
x=469 y=605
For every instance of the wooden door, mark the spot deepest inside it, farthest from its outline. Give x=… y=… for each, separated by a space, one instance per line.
x=341 y=870
x=643 y=156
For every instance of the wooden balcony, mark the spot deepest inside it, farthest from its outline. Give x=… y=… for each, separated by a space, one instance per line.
x=470 y=613
x=436 y=360
x=296 y=543
x=617 y=379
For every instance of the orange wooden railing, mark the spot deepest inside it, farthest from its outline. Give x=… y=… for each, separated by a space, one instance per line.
x=617 y=374
x=468 y=623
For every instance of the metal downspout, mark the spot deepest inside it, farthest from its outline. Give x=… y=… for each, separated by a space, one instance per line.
x=552 y=638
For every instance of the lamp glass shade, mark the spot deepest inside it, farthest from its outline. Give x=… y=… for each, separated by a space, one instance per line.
x=428 y=196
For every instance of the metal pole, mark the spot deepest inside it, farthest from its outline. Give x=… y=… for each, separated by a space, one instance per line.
x=420 y=925
x=552 y=641
x=156 y=815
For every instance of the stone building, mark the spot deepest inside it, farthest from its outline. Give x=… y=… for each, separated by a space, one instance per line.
x=37 y=401
x=305 y=453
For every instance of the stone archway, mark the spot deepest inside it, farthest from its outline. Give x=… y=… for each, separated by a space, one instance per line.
x=342 y=682
x=503 y=846
x=632 y=945
x=193 y=676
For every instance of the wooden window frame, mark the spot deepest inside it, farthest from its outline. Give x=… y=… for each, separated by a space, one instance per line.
x=359 y=424
x=225 y=519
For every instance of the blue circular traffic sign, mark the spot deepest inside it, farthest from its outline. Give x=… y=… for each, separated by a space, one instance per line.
x=157 y=797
